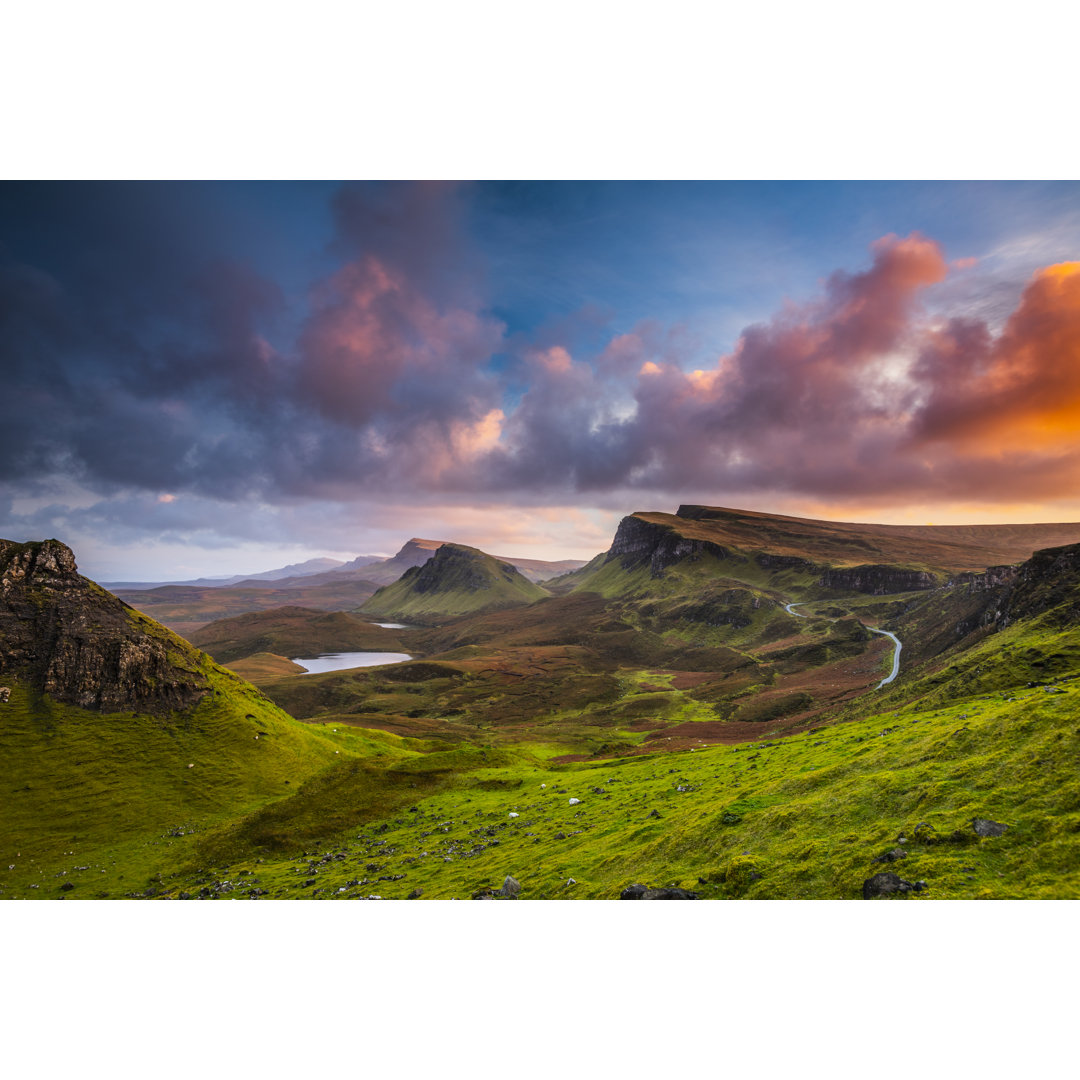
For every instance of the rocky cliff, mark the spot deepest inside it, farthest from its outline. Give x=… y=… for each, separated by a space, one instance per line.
x=65 y=636
x=637 y=542
x=878 y=580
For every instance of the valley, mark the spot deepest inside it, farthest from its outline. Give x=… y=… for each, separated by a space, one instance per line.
x=733 y=704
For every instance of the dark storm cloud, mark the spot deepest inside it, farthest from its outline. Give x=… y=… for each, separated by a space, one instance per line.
x=140 y=354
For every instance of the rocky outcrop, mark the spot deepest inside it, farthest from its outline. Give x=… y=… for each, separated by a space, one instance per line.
x=877 y=580
x=993 y=577
x=639 y=542
x=69 y=638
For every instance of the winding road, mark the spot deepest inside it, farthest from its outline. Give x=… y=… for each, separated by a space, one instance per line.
x=790 y=609
x=895 y=656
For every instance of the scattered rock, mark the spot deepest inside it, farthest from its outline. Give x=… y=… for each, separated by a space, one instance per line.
x=512 y=814
x=415 y=894
x=559 y=836
x=884 y=885
x=643 y=892
x=653 y=814
x=891 y=856
x=510 y=888
x=574 y=802
x=985 y=827
x=67 y=886
x=5 y=694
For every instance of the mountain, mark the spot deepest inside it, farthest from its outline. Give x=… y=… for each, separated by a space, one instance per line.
x=416 y=552
x=455 y=580
x=803 y=555
x=293 y=570
x=540 y=570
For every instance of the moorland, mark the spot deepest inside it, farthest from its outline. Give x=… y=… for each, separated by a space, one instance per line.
x=703 y=708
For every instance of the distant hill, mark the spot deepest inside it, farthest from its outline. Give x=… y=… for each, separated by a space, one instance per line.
x=455 y=580
x=292 y=631
x=293 y=570
x=185 y=609
x=416 y=552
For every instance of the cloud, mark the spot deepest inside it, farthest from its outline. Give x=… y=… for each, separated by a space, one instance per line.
x=171 y=388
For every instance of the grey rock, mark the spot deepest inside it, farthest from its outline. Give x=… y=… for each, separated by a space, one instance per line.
x=510 y=888
x=643 y=892
x=985 y=827
x=415 y=894
x=885 y=885
x=891 y=856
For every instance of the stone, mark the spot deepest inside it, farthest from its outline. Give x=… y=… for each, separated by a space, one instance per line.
x=885 y=885
x=67 y=886
x=574 y=802
x=5 y=694
x=643 y=892
x=512 y=814
x=985 y=827
x=891 y=856
x=510 y=888
x=415 y=894
x=653 y=814
x=63 y=636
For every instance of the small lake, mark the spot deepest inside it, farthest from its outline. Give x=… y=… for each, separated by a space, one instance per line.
x=344 y=660
x=393 y=625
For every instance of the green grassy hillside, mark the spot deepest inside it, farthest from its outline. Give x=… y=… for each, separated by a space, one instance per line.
x=455 y=581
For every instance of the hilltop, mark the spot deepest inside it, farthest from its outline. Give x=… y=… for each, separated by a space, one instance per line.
x=455 y=580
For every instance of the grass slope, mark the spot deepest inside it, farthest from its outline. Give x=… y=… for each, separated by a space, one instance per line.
x=803 y=817
x=456 y=581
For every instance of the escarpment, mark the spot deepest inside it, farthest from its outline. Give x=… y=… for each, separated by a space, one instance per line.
x=65 y=636
x=637 y=542
x=878 y=580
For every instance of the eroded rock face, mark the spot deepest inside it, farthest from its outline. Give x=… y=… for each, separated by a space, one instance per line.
x=877 y=580
x=64 y=635
x=638 y=541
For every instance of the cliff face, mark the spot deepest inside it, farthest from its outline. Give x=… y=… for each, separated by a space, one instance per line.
x=69 y=638
x=638 y=542
x=878 y=580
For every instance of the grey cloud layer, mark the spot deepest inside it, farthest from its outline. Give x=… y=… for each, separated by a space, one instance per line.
x=165 y=373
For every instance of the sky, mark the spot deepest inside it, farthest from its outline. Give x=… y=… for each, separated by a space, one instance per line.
x=209 y=378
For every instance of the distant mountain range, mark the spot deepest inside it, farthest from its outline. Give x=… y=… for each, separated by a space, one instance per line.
x=294 y=570
x=375 y=568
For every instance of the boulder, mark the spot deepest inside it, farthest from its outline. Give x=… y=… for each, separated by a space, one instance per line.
x=510 y=888
x=885 y=885
x=643 y=892
x=985 y=827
